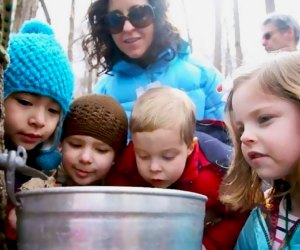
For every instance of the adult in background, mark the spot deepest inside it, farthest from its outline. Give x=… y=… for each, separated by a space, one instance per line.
x=280 y=32
x=137 y=48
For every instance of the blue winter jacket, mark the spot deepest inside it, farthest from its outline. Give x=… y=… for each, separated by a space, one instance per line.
x=255 y=236
x=128 y=80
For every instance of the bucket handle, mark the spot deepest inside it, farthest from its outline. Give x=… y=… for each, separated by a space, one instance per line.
x=13 y=161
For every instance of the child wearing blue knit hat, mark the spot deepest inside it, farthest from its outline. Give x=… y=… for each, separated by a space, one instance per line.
x=38 y=88
x=38 y=69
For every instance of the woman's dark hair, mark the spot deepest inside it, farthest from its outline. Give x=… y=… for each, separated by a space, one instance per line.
x=100 y=49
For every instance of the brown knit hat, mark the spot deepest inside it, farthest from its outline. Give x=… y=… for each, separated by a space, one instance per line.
x=98 y=116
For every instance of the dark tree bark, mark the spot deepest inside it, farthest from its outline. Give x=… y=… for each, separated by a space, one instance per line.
x=238 y=49
x=190 y=40
x=5 y=24
x=45 y=9
x=25 y=10
x=71 y=31
x=218 y=35
x=270 y=6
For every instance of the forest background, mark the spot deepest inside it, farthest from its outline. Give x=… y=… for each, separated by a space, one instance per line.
x=225 y=33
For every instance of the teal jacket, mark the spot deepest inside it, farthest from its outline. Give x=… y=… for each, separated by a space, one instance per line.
x=202 y=83
x=255 y=236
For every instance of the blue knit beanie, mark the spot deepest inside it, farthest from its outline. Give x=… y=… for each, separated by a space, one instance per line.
x=39 y=65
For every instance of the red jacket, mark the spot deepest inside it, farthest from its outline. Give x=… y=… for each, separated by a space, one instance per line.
x=200 y=176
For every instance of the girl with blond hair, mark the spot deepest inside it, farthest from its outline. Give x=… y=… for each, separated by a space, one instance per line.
x=263 y=116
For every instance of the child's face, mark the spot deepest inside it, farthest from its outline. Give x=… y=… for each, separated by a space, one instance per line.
x=133 y=42
x=270 y=130
x=85 y=159
x=30 y=119
x=161 y=156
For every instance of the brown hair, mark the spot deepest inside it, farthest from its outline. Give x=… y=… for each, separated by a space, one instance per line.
x=100 y=49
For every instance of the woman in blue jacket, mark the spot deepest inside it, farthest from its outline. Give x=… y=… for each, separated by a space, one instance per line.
x=137 y=48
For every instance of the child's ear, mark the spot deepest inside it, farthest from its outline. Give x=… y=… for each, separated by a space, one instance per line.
x=192 y=145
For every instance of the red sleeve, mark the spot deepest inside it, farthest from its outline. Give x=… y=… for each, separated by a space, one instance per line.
x=124 y=172
x=10 y=232
x=117 y=178
x=224 y=233
x=208 y=184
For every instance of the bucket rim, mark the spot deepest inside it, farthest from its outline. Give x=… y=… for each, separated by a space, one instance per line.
x=114 y=190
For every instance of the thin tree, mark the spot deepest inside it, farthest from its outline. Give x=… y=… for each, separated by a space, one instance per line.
x=71 y=31
x=237 y=32
x=5 y=26
x=270 y=6
x=190 y=40
x=227 y=57
x=5 y=22
x=218 y=34
x=45 y=9
x=25 y=10
x=87 y=80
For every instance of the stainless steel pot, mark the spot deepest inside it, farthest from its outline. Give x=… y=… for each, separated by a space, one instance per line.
x=109 y=218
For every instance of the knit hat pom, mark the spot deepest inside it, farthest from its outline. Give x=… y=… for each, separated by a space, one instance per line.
x=36 y=27
x=49 y=160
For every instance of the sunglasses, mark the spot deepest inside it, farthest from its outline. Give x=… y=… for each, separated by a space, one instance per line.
x=268 y=35
x=139 y=16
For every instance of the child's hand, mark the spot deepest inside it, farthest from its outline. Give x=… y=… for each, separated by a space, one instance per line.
x=12 y=218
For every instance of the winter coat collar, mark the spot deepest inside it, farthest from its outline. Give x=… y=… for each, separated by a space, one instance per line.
x=195 y=161
x=132 y=69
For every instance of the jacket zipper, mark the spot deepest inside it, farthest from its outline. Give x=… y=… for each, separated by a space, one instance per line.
x=293 y=233
x=266 y=233
x=264 y=230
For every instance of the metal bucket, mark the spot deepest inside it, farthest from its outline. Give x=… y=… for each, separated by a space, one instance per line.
x=107 y=218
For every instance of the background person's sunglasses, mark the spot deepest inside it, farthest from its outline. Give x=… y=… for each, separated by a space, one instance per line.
x=268 y=35
x=139 y=16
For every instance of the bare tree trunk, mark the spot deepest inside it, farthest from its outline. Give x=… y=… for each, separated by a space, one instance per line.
x=88 y=79
x=92 y=76
x=5 y=21
x=238 y=49
x=45 y=11
x=25 y=10
x=6 y=16
x=86 y=82
x=228 y=59
x=71 y=31
x=270 y=6
x=1 y=107
x=3 y=195
x=190 y=40
x=218 y=35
